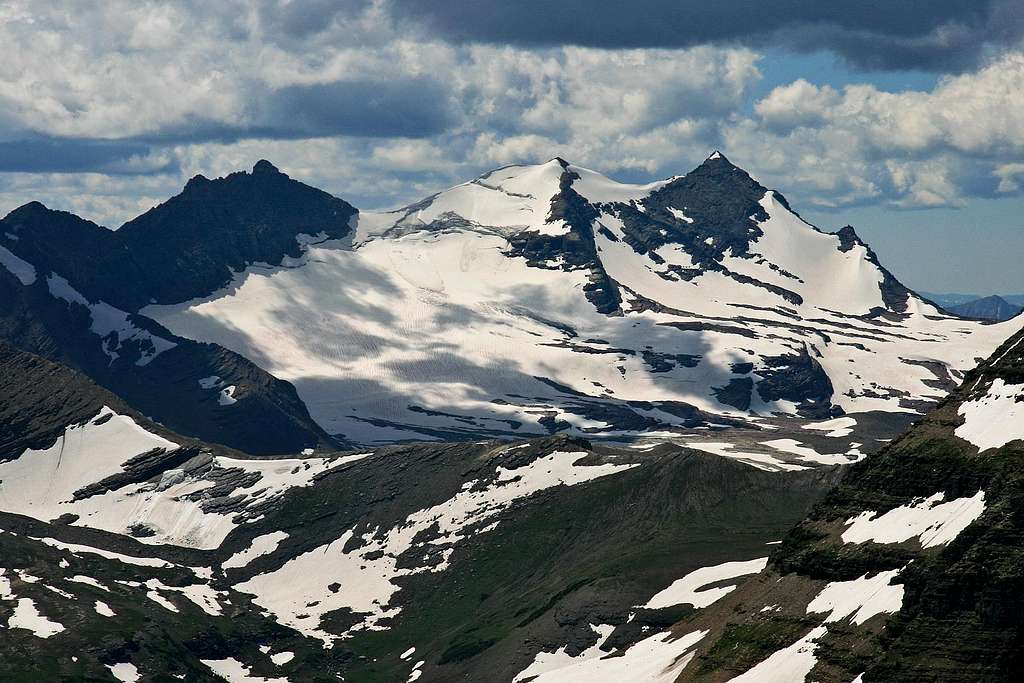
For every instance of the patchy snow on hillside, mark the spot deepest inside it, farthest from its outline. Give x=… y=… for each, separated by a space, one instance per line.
x=932 y=521
x=690 y=589
x=298 y=592
x=112 y=325
x=656 y=659
x=790 y=664
x=995 y=419
x=860 y=598
x=42 y=483
x=234 y=671
x=836 y=428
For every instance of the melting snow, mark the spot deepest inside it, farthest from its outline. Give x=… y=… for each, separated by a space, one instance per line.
x=787 y=665
x=935 y=522
x=234 y=671
x=838 y=427
x=261 y=545
x=103 y=609
x=113 y=325
x=366 y=574
x=27 y=616
x=996 y=418
x=124 y=672
x=657 y=659
x=22 y=270
x=863 y=598
x=687 y=590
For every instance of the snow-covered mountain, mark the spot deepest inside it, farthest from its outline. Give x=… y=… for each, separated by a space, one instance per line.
x=549 y=297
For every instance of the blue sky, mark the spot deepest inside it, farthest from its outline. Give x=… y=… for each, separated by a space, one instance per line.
x=904 y=119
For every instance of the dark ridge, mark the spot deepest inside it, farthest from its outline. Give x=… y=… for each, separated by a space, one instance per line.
x=185 y=248
x=576 y=246
x=189 y=246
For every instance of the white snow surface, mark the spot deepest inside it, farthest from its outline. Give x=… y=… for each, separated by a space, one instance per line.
x=789 y=665
x=23 y=270
x=862 y=598
x=126 y=672
x=837 y=427
x=995 y=419
x=688 y=590
x=234 y=671
x=103 y=609
x=366 y=574
x=656 y=659
x=425 y=318
x=27 y=616
x=929 y=519
x=42 y=483
x=261 y=545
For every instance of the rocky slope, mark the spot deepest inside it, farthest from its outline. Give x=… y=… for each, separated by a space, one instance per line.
x=909 y=570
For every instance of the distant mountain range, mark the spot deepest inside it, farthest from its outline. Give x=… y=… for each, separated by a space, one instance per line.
x=987 y=308
x=952 y=300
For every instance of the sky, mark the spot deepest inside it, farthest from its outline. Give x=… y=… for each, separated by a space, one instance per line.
x=904 y=119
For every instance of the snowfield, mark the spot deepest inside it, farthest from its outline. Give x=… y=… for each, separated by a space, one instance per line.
x=930 y=520
x=996 y=418
x=427 y=324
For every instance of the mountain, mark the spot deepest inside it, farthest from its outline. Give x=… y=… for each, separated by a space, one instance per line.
x=909 y=570
x=988 y=308
x=544 y=298
x=70 y=291
x=130 y=550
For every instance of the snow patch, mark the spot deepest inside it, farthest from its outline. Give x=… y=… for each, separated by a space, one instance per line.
x=687 y=590
x=863 y=598
x=657 y=659
x=27 y=616
x=932 y=521
x=261 y=545
x=125 y=672
x=995 y=419
x=787 y=665
x=23 y=270
x=112 y=325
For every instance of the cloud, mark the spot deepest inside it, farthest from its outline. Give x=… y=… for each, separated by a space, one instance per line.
x=876 y=34
x=56 y=155
x=910 y=149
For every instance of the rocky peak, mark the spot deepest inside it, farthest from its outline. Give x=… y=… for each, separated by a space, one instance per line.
x=264 y=167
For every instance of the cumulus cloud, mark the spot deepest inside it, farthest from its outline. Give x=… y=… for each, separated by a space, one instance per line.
x=910 y=149
x=382 y=111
